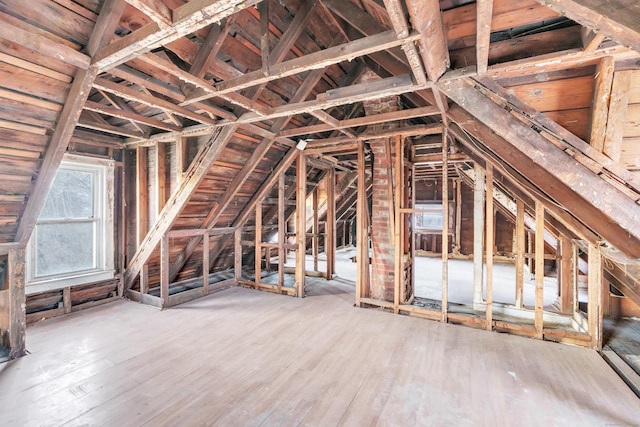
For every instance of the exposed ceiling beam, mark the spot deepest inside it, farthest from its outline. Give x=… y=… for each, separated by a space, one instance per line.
x=617 y=19
x=427 y=20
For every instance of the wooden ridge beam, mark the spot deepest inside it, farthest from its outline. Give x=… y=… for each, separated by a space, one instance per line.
x=616 y=19
x=611 y=214
x=194 y=175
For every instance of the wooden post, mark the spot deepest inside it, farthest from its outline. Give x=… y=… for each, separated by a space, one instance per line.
x=478 y=230
x=601 y=95
x=520 y=250
x=539 y=253
x=161 y=176
x=530 y=260
x=489 y=248
x=362 y=248
x=565 y=275
x=66 y=299
x=315 y=240
x=445 y=226
x=397 y=218
x=330 y=228
x=458 y=214
x=164 y=271
x=282 y=225
x=181 y=158
x=301 y=222
x=144 y=280
x=205 y=263
x=237 y=266
x=142 y=190
x=258 y=247
x=17 y=313
x=595 y=297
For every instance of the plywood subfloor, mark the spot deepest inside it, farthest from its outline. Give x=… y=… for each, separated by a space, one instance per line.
x=244 y=357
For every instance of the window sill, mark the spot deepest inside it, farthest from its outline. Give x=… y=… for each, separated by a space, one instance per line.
x=35 y=287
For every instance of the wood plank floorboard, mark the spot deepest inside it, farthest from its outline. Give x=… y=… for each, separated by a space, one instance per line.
x=247 y=358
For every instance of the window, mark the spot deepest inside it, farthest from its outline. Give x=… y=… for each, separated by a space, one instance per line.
x=429 y=217
x=72 y=242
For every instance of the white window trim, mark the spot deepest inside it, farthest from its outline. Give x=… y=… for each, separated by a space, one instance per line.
x=105 y=245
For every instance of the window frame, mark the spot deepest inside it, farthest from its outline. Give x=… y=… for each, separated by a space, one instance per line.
x=103 y=199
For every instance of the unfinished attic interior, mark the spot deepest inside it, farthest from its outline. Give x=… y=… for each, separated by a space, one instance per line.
x=367 y=165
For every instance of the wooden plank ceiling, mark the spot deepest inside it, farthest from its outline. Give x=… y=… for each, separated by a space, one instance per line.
x=245 y=80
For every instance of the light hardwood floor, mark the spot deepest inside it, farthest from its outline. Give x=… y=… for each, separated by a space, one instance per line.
x=243 y=357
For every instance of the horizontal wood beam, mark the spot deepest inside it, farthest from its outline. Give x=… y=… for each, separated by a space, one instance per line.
x=186 y=19
x=128 y=115
x=312 y=61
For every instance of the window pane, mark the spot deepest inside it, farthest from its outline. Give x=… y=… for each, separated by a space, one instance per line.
x=64 y=248
x=71 y=196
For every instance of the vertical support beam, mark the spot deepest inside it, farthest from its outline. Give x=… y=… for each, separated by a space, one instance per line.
x=237 y=254
x=144 y=280
x=282 y=225
x=490 y=237
x=17 y=313
x=478 y=232
x=263 y=8
x=181 y=158
x=362 y=245
x=390 y=189
x=427 y=20
x=66 y=299
x=458 y=214
x=315 y=240
x=258 y=247
x=398 y=219
x=483 y=33
x=595 y=297
x=164 y=271
x=445 y=225
x=565 y=276
x=617 y=113
x=520 y=251
x=330 y=227
x=205 y=263
x=539 y=323
x=161 y=175
x=142 y=190
x=600 y=107
x=301 y=222
x=530 y=258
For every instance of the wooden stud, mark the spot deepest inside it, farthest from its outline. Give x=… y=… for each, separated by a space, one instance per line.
x=478 y=234
x=258 y=245
x=445 y=226
x=161 y=176
x=483 y=33
x=489 y=242
x=181 y=158
x=164 y=271
x=594 y=309
x=315 y=240
x=396 y=220
x=458 y=236
x=520 y=250
x=282 y=229
x=301 y=223
x=238 y=254
x=205 y=263
x=17 y=313
x=330 y=227
x=263 y=9
x=142 y=190
x=362 y=245
x=539 y=261
x=565 y=275
x=600 y=105
x=144 y=279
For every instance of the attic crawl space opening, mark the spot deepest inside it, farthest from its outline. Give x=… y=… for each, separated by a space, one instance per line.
x=468 y=162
